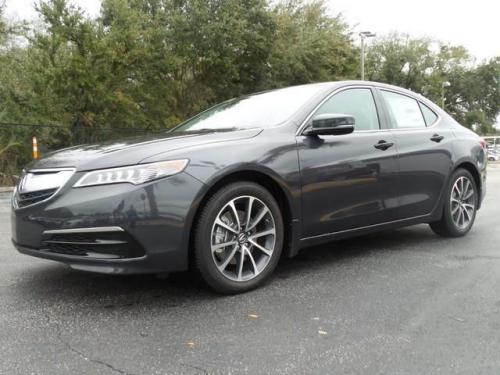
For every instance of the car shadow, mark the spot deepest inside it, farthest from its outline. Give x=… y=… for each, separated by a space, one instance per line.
x=325 y=255
x=54 y=283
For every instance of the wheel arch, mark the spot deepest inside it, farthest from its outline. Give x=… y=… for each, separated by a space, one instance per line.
x=473 y=170
x=268 y=181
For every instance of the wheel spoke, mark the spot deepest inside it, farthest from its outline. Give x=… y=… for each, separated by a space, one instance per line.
x=267 y=232
x=467 y=186
x=260 y=216
x=223 y=266
x=462 y=215
x=252 y=260
x=223 y=244
x=261 y=248
x=468 y=205
x=235 y=214
x=220 y=223
x=469 y=194
x=468 y=215
x=453 y=210
x=242 y=261
x=249 y=212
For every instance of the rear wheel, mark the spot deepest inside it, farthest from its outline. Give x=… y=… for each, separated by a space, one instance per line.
x=460 y=207
x=238 y=238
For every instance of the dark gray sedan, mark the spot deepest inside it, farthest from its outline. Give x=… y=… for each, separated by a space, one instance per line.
x=252 y=179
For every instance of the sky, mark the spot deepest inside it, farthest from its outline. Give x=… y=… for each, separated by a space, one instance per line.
x=474 y=24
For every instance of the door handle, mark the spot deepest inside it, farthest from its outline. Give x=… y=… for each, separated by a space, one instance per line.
x=437 y=138
x=383 y=145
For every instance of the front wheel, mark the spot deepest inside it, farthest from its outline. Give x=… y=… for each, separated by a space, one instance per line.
x=238 y=238
x=460 y=207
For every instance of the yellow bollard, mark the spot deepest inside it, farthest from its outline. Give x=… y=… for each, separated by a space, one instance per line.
x=35 y=148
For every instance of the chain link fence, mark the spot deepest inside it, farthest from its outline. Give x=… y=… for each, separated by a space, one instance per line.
x=16 y=142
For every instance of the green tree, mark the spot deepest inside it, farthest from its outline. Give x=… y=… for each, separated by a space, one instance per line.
x=423 y=65
x=474 y=95
x=3 y=26
x=149 y=64
x=413 y=63
x=310 y=45
x=10 y=96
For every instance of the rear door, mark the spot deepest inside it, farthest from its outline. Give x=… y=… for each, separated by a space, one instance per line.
x=424 y=148
x=348 y=181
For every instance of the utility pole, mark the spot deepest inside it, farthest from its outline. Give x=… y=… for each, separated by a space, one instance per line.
x=363 y=35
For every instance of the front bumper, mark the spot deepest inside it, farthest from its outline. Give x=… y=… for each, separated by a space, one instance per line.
x=155 y=219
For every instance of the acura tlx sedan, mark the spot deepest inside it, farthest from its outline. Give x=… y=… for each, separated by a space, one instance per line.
x=231 y=190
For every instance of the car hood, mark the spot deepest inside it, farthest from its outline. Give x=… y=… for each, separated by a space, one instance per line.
x=133 y=150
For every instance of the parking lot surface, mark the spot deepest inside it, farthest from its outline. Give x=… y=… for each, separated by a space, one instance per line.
x=399 y=302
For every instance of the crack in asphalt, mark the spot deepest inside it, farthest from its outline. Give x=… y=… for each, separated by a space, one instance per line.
x=81 y=354
x=475 y=257
x=204 y=371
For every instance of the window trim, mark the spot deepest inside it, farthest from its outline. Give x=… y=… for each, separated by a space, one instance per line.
x=416 y=97
x=394 y=126
x=304 y=123
x=421 y=105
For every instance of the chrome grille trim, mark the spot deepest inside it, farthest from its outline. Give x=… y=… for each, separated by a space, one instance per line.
x=85 y=230
x=19 y=190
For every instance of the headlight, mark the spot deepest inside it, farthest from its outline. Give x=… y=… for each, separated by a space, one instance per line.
x=134 y=174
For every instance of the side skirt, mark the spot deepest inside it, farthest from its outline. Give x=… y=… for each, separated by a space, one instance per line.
x=348 y=233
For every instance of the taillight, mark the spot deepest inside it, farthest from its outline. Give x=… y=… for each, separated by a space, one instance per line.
x=484 y=144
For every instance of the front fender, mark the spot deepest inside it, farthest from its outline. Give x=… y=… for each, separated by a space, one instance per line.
x=272 y=155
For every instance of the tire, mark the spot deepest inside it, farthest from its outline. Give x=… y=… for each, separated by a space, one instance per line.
x=460 y=206
x=224 y=232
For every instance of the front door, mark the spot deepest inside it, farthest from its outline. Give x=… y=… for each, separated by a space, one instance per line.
x=348 y=181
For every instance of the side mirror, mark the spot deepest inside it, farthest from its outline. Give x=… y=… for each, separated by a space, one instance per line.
x=331 y=124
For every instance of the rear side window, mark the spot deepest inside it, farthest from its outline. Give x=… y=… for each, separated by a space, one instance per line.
x=429 y=115
x=404 y=111
x=358 y=103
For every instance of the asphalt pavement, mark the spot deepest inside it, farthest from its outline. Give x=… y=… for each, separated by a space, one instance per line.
x=399 y=302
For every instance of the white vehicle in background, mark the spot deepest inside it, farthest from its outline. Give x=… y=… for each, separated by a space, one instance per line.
x=493 y=148
x=493 y=155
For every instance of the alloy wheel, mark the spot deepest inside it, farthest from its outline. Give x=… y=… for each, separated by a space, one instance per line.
x=243 y=238
x=462 y=202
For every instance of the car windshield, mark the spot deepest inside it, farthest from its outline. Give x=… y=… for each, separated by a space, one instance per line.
x=266 y=109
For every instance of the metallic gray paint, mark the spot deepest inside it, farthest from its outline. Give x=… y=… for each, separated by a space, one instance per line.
x=334 y=186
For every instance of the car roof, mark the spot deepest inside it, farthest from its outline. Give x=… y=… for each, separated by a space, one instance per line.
x=334 y=84
x=331 y=85
x=338 y=84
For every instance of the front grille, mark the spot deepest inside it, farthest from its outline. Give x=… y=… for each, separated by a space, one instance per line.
x=38 y=185
x=26 y=199
x=103 y=245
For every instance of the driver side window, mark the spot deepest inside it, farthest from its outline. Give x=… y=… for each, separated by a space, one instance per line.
x=358 y=103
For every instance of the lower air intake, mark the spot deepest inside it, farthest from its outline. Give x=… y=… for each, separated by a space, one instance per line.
x=102 y=245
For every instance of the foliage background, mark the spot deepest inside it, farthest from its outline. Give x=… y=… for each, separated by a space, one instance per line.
x=145 y=65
